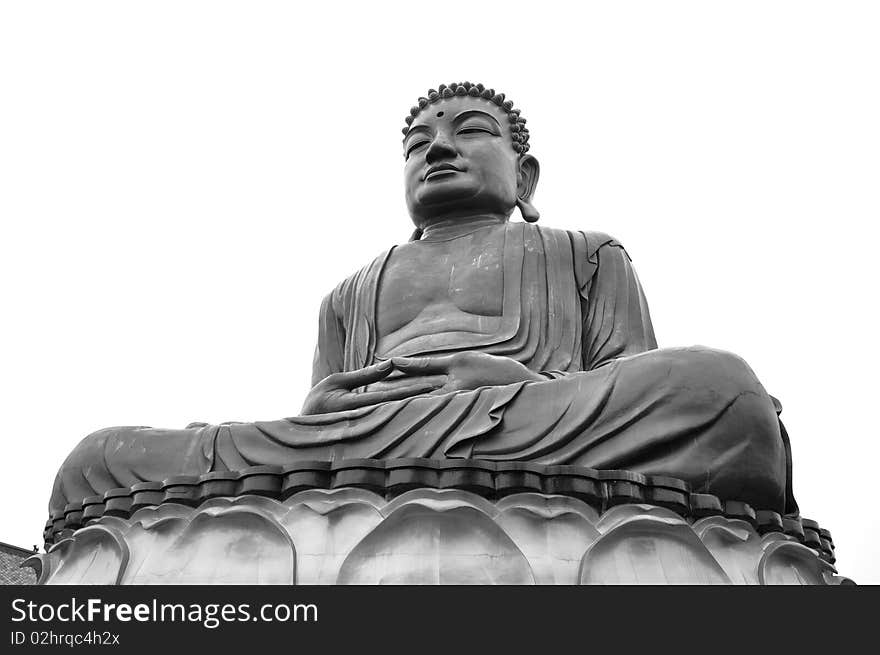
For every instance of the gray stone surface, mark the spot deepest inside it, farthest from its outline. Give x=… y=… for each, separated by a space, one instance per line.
x=486 y=338
x=425 y=536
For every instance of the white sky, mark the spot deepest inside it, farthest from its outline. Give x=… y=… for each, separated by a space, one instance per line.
x=181 y=183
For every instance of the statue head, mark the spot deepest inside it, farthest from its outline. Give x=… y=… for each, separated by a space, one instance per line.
x=466 y=151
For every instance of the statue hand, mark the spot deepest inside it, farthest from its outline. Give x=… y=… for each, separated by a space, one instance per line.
x=466 y=371
x=335 y=393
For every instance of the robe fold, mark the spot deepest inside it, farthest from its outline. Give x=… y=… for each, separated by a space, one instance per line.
x=573 y=310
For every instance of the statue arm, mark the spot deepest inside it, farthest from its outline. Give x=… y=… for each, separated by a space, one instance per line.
x=617 y=322
x=330 y=350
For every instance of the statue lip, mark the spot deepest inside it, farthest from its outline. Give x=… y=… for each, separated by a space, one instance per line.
x=440 y=168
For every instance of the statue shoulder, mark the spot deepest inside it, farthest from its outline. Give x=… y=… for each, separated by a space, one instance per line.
x=588 y=250
x=596 y=240
x=588 y=242
x=355 y=285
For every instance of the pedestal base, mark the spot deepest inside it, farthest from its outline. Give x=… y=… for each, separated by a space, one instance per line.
x=352 y=535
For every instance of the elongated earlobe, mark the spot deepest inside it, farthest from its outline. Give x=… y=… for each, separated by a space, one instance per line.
x=528 y=211
x=529 y=172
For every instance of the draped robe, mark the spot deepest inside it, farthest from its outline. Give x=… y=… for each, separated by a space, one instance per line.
x=574 y=311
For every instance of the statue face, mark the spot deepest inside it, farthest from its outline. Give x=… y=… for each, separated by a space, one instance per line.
x=460 y=161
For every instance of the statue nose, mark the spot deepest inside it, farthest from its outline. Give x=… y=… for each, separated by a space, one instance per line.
x=440 y=149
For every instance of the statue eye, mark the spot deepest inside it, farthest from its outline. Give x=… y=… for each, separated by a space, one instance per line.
x=415 y=146
x=475 y=129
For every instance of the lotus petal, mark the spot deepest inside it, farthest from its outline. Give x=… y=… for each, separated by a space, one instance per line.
x=654 y=547
x=427 y=541
x=553 y=532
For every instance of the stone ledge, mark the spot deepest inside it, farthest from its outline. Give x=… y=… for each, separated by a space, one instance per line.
x=600 y=489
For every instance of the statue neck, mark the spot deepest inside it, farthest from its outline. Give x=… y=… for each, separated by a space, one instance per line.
x=452 y=228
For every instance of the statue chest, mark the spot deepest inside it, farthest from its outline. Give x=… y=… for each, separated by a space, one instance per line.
x=433 y=288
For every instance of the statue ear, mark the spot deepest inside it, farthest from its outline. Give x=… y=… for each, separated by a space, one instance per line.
x=527 y=182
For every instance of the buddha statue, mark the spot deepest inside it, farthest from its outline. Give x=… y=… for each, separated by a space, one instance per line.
x=489 y=339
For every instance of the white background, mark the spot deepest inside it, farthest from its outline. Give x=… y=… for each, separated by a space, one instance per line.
x=181 y=183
